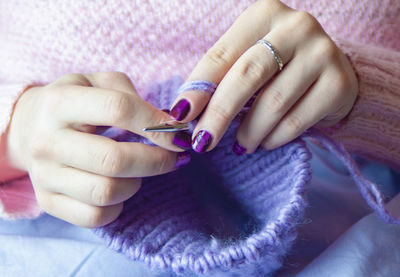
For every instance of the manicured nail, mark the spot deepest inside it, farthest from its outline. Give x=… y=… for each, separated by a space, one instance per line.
x=238 y=149
x=201 y=141
x=182 y=159
x=183 y=140
x=180 y=110
x=166 y=110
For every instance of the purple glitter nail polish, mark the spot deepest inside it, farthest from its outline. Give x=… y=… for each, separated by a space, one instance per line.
x=238 y=149
x=180 y=110
x=183 y=140
x=202 y=141
x=182 y=159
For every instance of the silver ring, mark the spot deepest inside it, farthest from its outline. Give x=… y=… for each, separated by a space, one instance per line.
x=273 y=51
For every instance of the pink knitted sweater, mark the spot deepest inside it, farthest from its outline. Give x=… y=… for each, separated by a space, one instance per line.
x=153 y=40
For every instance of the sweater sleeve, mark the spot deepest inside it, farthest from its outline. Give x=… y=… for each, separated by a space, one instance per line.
x=372 y=129
x=17 y=198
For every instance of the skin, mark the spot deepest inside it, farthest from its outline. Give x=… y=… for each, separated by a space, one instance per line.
x=78 y=176
x=316 y=86
x=84 y=178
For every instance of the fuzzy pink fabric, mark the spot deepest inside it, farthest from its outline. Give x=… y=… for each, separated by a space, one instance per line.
x=152 y=40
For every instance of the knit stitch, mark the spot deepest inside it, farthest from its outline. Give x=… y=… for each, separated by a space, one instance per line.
x=167 y=224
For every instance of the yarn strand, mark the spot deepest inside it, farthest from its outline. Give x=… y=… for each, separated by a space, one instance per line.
x=368 y=189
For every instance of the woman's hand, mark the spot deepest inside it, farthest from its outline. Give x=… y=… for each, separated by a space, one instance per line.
x=316 y=85
x=77 y=175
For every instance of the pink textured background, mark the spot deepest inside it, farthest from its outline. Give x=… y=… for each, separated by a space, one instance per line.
x=152 y=40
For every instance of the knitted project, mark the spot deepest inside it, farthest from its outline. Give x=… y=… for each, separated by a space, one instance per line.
x=174 y=223
x=149 y=40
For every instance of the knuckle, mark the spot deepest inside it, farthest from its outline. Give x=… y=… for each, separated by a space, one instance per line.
x=339 y=113
x=220 y=55
x=274 y=101
x=158 y=136
x=50 y=100
x=326 y=50
x=251 y=71
x=163 y=164
x=340 y=93
x=43 y=202
x=71 y=79
x=111 y=161
x=266 y=6
x=342 y=87
x=118 y=107
x=78 y=79
x=102 y=192
x=96 y=216
x=70 y=76
x=36 y=174
x=73 y=76
x=249 y=141
x=343 y=83
x=305 y=23
x=294 y=123
x=39 y=146
x=113 y=77
x=220 y=113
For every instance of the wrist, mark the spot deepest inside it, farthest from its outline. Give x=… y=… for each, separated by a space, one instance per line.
x=14 y=138
x=8 y=171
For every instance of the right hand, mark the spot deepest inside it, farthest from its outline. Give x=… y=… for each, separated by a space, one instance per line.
x=78 y=176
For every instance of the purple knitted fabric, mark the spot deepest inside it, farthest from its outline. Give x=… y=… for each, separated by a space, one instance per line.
x=183 y=220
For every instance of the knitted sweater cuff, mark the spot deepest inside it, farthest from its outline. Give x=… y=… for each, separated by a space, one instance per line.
x=372 y=129
x=17 y=199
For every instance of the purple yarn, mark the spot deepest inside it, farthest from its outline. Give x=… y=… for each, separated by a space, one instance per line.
x=367 y=188
x=203 y=86
x=181 y=221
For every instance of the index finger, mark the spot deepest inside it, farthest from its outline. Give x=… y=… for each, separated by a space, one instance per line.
x=250 y=26
x=103 y=156
x=105 y=107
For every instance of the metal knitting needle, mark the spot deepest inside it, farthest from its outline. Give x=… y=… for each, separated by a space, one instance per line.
x=168 y=127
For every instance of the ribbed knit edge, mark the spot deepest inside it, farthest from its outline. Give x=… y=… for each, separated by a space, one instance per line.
x=18 y=200
x=372 y=129
x=263 y=248
x=268 y=245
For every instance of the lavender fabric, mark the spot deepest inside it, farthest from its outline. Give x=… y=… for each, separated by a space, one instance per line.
x=168 y=224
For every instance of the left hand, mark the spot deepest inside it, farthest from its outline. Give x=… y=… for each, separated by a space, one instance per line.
x=316 y=85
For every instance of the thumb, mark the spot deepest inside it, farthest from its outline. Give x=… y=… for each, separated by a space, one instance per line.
x=143 y=114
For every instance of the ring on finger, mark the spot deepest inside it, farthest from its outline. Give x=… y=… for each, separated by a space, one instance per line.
x=273 y=51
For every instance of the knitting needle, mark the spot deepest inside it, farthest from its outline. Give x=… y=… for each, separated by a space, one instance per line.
x=170 y=126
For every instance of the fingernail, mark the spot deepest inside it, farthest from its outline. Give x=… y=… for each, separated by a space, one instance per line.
x=183 y=140
x=180 y=110
x=182 y=159
x=166 y=110
x=238 y=149
x=201 y=141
